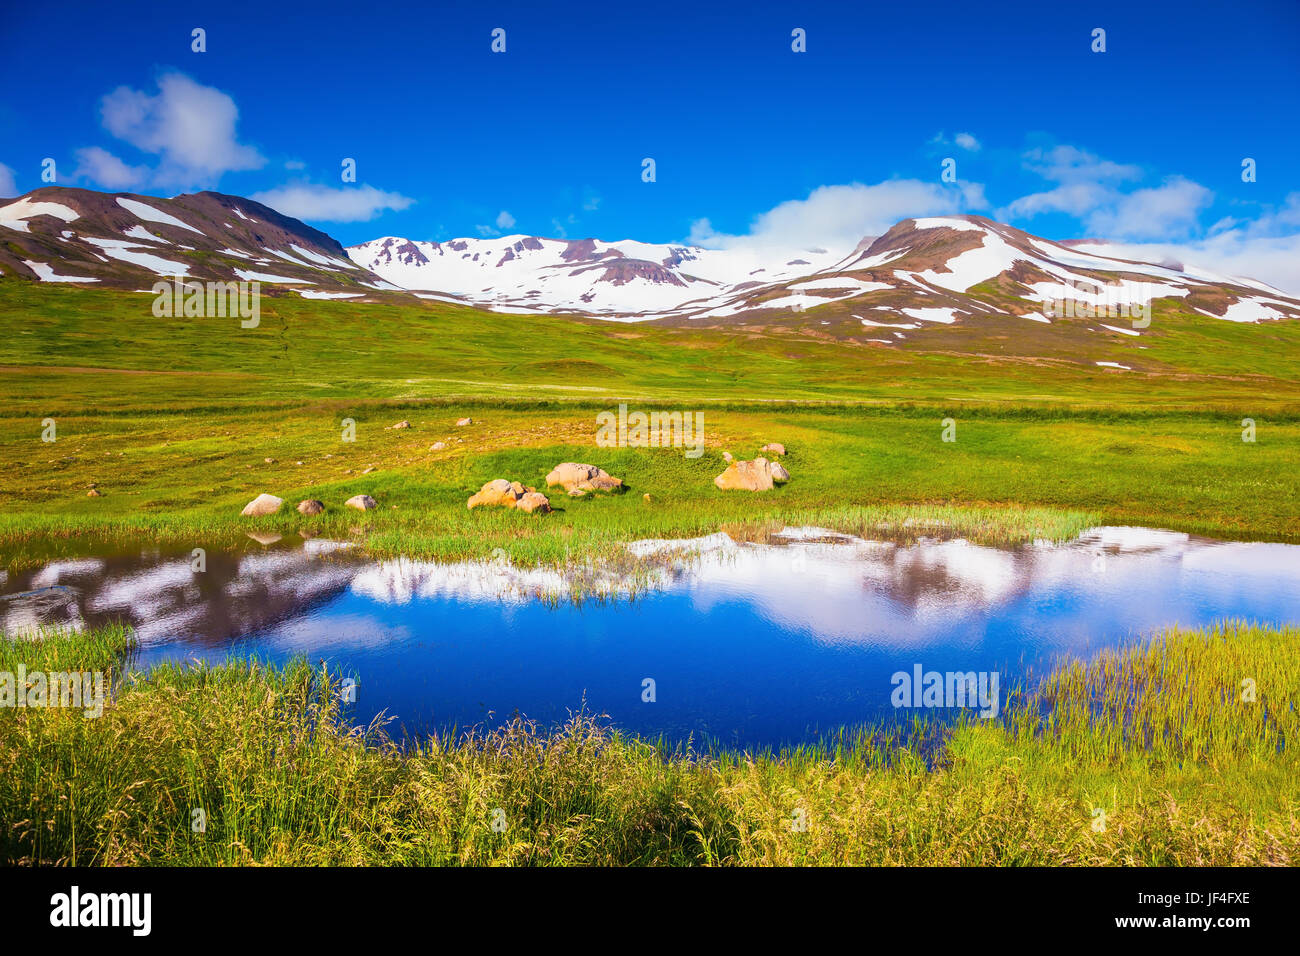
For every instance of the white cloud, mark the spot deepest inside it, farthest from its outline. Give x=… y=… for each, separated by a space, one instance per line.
x=1069 y=164
x=1170 y=209
x=190 y=126
x=841 y=216
x=1093 y=190
x=1077 y=199
x=7 y=185
x=505 y=220
x=322 y=203
x=102 y=167
x=1270 y=259
x=967 y=141
x=1266 y=248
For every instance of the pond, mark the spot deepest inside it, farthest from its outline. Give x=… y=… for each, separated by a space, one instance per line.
x=738 y=644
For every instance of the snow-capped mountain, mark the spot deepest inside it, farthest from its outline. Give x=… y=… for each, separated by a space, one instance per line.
x=626 y=279
x=925 y=273
x=937 y=270
x=121 y=240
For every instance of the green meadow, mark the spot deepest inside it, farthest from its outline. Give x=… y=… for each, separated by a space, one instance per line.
x=177 y=423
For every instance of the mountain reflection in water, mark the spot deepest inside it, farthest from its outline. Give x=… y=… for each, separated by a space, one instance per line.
x=748 y=644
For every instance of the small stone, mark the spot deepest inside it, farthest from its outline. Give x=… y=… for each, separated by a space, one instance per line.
x=774 y=447
x=438 y=446
x=269 y=461
x=465 y=421
x=402 y=424
x=310 y=506
x=93 y=493
x=646 y=496
x=577 y=493
x=361 y=502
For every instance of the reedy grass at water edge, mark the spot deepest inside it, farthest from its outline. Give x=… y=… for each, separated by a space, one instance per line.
x=1159 y=738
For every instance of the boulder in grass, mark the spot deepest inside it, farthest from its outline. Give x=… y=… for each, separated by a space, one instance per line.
x=533 y=501
x=263 y=504
x=757 y=475
x=574 y=476
x=310 y=506
x=402 y=424
x=438 y=446
x=497 y=492
x=465 y=421
x=775 y=447
x=93 y=493
x=361 y=502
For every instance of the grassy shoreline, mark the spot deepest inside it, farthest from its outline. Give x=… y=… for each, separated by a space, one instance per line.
x=1159 y=738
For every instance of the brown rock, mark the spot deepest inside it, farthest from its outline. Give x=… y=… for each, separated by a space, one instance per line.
x=774 y=447
x=361 y=502
x=263 y=504
x=497 y=492
x=310 y=506
x=438 y=446
x=93 y=493
x=402 y=424
x=533 y=501
x=465 y=421
x=756 y=475
x=572 y=475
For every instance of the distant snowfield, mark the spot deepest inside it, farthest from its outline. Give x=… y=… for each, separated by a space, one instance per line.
x=318 y=294
x=149 y=214
x=45 y=272
x=128 y=252
x=13 y=216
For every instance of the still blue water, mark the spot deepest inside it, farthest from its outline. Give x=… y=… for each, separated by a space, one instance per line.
x=747 y=645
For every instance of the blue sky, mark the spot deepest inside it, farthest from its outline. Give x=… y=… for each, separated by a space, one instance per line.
x=1142 y=143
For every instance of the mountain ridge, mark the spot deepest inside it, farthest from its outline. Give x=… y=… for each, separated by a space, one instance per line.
x=921 y=273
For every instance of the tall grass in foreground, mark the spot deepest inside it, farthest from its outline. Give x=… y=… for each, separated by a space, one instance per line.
x=1184 y=768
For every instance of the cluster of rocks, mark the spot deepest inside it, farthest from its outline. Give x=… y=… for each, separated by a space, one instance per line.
x=575 y=478
x=509 y=494
x=265 y=504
